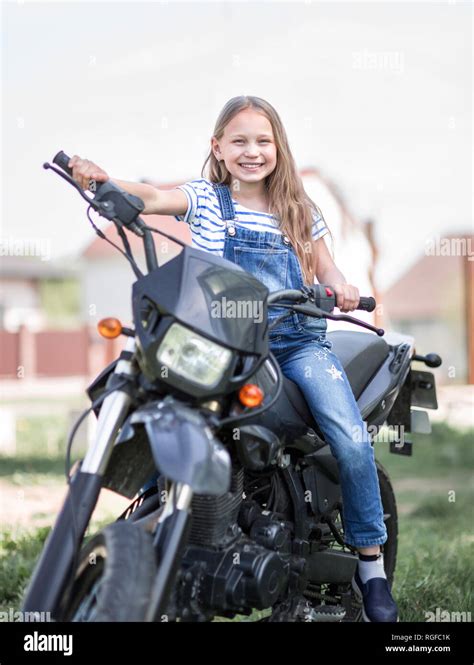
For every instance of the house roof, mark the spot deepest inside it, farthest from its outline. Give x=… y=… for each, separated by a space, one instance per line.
x=432 y=284
x=348 y=218
x=99 y=249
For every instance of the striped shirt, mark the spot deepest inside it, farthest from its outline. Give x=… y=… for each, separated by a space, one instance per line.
x=208 y=228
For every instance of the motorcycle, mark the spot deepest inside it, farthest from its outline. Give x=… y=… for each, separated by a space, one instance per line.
x=242 y=511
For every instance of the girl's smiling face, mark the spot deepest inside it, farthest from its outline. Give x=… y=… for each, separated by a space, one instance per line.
x=247 y=146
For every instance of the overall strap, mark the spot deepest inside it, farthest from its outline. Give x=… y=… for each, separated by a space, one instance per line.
x=225 y=201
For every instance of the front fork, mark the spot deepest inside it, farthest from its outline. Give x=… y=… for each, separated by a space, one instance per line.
x=53 y=569
x=169 y=543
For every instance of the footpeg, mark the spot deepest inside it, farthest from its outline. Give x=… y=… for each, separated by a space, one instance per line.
x=301 y=609
x=324 y=613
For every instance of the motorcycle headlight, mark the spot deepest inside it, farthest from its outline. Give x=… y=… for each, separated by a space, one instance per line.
x=192 y=356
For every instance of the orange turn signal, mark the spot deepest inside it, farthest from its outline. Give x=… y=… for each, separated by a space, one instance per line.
x=251 y=395
x=109 y=328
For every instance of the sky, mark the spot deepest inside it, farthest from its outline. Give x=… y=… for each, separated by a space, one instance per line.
x=378 y=95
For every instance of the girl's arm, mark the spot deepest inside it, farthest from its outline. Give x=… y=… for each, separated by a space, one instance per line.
x=157 y=201
x=328 y=273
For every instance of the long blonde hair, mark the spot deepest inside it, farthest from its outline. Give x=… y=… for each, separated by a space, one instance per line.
x=289 y=202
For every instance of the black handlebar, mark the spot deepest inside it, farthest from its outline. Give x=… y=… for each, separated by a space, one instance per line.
x=319 y=300
x=325 y=298
x=62 y=160
x=366 y=303
x=113 y=203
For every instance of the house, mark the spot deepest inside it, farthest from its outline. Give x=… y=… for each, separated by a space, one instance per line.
x=21 y=279
x=34 y=349
x=352 y=244
x=28 y=346
x=433 y=301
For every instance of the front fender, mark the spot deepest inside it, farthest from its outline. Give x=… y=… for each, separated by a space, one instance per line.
x=184 y=448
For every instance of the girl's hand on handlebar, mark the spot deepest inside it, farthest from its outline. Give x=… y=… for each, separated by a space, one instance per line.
x=83 y=171
x=347 y=297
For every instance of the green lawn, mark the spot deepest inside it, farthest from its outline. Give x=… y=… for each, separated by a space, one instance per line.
x=435 y=558
x=18 y=554
x=435 y=494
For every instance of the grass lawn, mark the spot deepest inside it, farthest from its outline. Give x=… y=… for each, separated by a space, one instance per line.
x=434 y=490
x=435 y=494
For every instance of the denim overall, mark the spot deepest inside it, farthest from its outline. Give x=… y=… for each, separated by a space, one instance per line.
x=304 y=353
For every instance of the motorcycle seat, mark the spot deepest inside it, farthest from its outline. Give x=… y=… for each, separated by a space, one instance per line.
x=361 y=355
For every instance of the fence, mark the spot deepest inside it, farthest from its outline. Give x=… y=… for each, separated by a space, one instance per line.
x=55 y=353
x=44 y=375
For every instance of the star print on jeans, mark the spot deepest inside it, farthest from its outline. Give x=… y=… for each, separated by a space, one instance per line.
x=321 y=354
x=335 y=373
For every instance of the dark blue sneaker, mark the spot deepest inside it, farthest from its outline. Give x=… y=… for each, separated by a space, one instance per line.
x=376 y=598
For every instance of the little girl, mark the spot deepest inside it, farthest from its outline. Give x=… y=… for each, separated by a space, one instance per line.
x=276 y=232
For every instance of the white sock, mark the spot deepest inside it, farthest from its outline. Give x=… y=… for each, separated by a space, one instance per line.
x=371 y=566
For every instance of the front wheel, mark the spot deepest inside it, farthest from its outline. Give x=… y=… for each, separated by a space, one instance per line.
x=114 y=576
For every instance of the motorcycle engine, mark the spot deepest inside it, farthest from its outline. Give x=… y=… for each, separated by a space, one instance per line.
x=238 y=558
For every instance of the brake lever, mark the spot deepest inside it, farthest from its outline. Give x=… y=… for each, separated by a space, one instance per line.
x=345 y=317
x=72 y=182
x=316 y=311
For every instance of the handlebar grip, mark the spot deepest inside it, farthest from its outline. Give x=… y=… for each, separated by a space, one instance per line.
x=367 y=304
x=62 y=160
